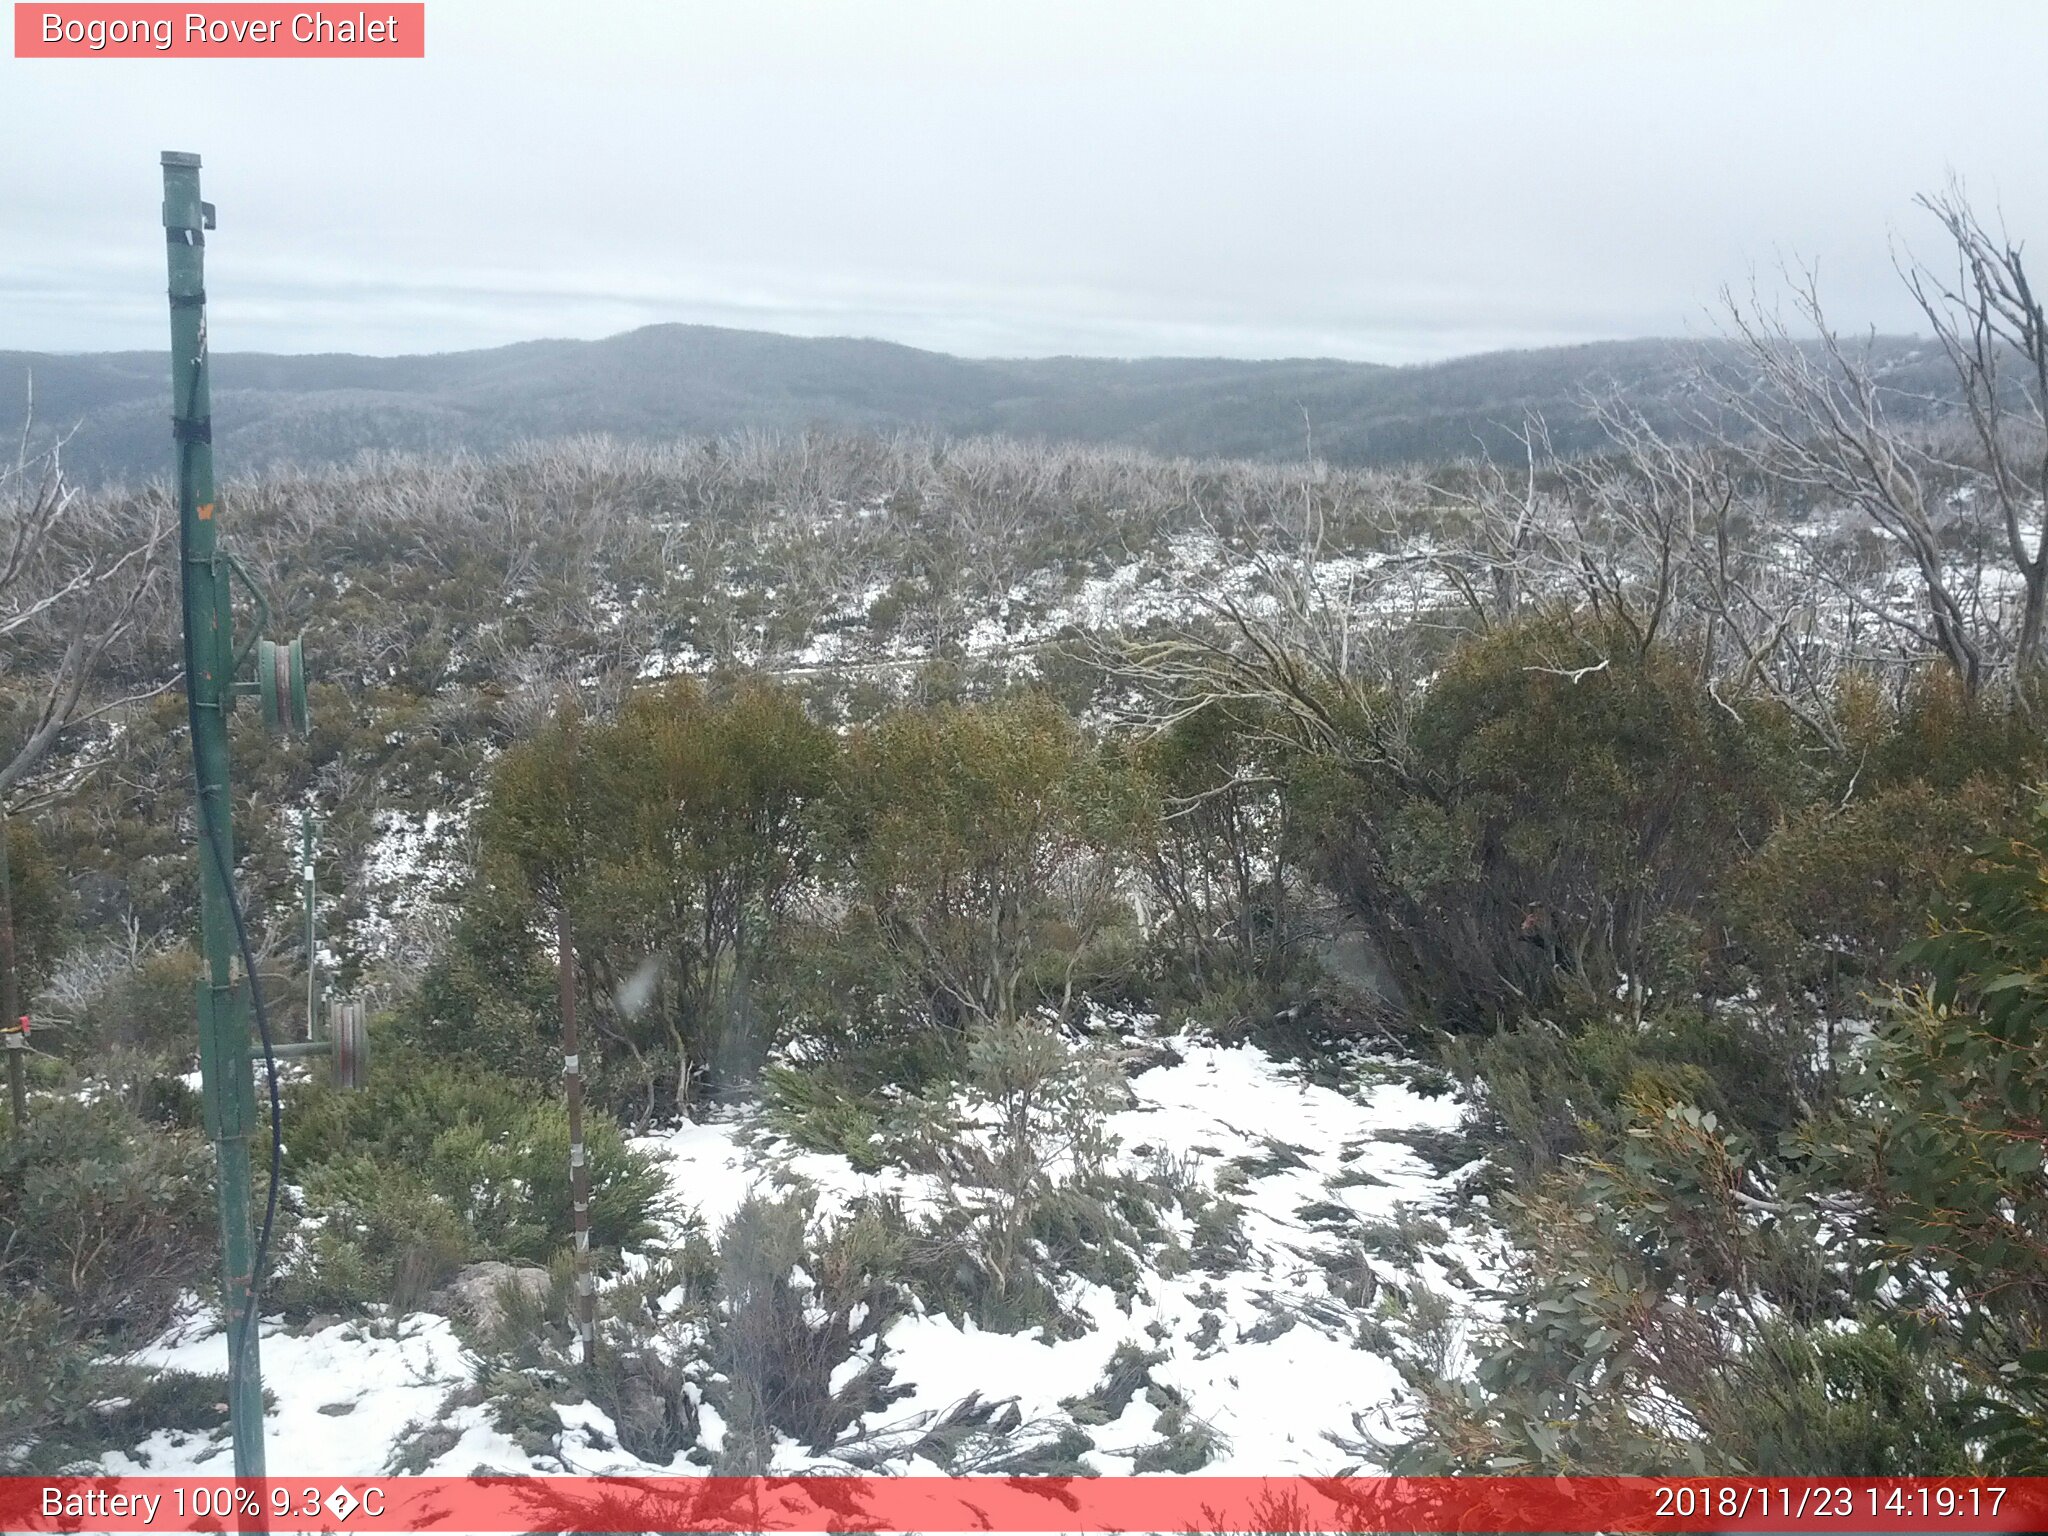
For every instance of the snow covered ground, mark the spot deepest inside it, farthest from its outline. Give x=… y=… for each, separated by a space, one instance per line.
x=411 y=864
x=1272 y=1354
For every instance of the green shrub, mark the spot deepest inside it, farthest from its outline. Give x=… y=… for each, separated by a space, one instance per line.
x=651 y=1373
x=49 y=1380
x=106 y=1222
x=1031 y=1196
x=409 y=1102
x=148 y=1008
x=797 y=1300
x=493 y=1149
x=108 y=1216
x=375 y=1234
x=1550 y=1092
x=980 y=848
x=436 y=1163
x=1831 y=898
x=510 y=1183
x=1566 y=794
x=677 y=833
x=488 y=997
x=1186 y=1444
x=1218 y=842
x=1946 y=1155
x=1941 y=735
x=64 y=1402
x=41 y=899
x=1128 y=1373
x=820 y=1112
x=1657 y=1322
x=1865 y=1401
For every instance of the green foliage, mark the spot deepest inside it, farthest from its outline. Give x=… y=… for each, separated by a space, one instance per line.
x=1669 y=1314
x=105 y=1223
x=779 y=1325
x=1942 y=735
x=1862 y=1401
x=1949 y=1153
x=376 y=1235
x=1671 y=1162
x=651 y=1371
x=1675 y=1281
x=979 y=849
x=797 y=1300
x=1551 y=1092
x=49 y=1382
x=488 y=996
x=818 y=1109
x=107 y=1216
x=972 y=852
x=476 y=1164
x=675 y=837
x=1186 y=1444
x=1217 y=844
x=1031 y=1198
x=1837 y=892
x=148 y=1007
x=1567 y=799
x=40 y=898
x=511 y=1184
x=1128 y=1373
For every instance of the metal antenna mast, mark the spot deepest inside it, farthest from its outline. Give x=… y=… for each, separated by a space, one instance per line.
x=226 y=1087
x=212 y=658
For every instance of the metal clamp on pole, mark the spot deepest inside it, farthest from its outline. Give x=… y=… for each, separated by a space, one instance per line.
x=346 y=1046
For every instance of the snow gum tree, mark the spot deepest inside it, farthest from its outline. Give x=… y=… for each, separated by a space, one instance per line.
x=981 y=853
x=675 y=836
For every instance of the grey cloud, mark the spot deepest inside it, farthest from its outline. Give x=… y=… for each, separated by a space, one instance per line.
x=1379 y=181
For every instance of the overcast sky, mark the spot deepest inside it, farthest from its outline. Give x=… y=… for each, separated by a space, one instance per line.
x=1378 y=181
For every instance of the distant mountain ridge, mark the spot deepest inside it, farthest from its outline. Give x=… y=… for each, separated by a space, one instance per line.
x=666 y=381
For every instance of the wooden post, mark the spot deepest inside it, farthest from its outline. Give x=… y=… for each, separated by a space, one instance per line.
x=10 y=989
x=312 y=927
x=579 y=1164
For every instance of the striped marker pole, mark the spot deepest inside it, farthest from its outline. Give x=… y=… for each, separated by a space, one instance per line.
x=579 y=1164
x=312 y=927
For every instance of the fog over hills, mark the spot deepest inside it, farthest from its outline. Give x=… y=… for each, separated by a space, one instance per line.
x=667 y=381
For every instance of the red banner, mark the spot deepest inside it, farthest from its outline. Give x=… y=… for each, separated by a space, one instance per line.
x=1176 y=1504
x=235 y=31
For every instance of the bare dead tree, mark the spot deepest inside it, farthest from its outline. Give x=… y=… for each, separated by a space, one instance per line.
x=1986 y=317
x=1674 y=539
x=1819 y=419
x=70 y=587
x=1825 y=421
x=1296 y=646
x=74 y=573
x=1493 y=566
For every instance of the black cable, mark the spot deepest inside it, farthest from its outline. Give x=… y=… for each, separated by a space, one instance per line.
x=211 y=830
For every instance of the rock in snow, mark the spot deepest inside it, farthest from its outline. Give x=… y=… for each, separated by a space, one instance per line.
x=478 y=1291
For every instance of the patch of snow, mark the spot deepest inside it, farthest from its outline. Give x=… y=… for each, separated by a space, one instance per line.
x=1273 y=1354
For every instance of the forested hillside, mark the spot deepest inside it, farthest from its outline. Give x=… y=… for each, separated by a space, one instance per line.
x=654 y=383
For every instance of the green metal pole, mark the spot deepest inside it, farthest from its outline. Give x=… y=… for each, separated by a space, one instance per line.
x=227 y=1089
